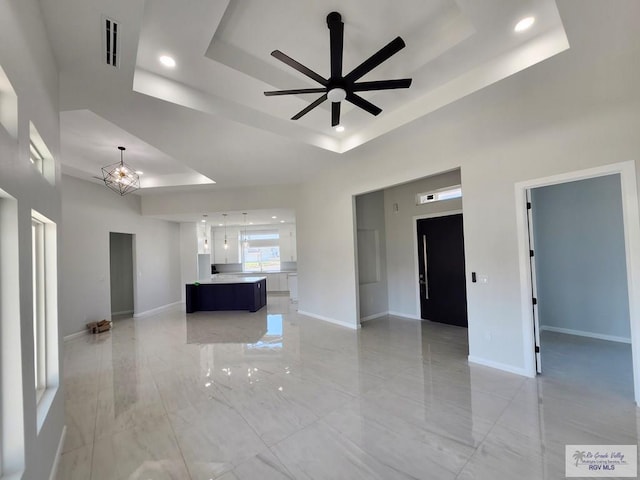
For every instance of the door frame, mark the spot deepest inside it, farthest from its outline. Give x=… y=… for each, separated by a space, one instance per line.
x=416 y=266
x=631 y=220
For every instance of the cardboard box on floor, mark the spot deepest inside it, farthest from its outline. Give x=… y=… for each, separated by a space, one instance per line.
x=99 y=327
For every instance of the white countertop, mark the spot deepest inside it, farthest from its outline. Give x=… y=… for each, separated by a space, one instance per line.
x=222 y=279
x=239 y=274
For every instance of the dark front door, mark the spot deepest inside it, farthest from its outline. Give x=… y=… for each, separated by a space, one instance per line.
x=443 y=293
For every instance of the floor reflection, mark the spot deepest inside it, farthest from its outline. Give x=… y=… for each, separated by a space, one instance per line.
x=272 y=340
x=226 y=327
x=124 y=348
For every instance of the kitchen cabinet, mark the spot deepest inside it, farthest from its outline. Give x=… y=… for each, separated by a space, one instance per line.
x=226 y=294
x=204 y=266
x=288 y=251
x=293 y=286
x=293 y=247
x=283 y=282
x=271 y=282
x=277 y=282
x=221 y=255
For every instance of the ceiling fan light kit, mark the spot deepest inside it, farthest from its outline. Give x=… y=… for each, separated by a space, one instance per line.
x=339 y=87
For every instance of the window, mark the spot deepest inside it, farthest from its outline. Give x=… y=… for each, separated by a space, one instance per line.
x=45 y=312
x=39 y=310
x=261 y=251
x=8 y=105
x=35 y=156
x=448 y=193
x=40 y=156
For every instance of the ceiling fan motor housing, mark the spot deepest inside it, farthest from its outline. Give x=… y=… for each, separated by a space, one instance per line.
x=341 y=87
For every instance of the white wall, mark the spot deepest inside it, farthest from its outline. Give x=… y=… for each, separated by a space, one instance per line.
x=27 y=60
x=90 y=211
x=565 y=114
x=580 y=257
x=401 y=257
x=188 y=255
x=372 y=257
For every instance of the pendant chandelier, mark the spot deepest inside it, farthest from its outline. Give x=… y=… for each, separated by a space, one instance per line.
x=204 y=232
x=245 y=243
x=120 y=177
x=226 y=245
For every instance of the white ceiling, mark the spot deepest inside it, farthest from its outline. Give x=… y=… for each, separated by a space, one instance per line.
x=207 y=119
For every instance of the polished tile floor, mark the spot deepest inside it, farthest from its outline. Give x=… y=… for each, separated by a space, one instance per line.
x=276 y=395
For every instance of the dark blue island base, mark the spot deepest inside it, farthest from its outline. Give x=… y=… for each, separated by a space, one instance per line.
x=248 y=293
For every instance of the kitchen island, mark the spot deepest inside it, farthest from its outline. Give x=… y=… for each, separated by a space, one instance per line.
x=227 y=293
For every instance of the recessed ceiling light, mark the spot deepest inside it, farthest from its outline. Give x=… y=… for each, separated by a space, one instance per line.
x=524 y=24
x=340 y=128
x=281 y=221
x=250 y=223
x=219 y=224
x=274 y=217
x=139 y=172
x=167 y=61
x=203 y=221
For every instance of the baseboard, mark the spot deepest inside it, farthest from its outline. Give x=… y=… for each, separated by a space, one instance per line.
x=581 y=333
x=124 y=312
x=56 y=461
x=156 y=310
x=330 y=320
x=497 y=365
x=79 y=334
x=404 y=315
x=374 y=316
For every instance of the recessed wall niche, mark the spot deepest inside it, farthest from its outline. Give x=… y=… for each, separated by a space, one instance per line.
x=368 y=256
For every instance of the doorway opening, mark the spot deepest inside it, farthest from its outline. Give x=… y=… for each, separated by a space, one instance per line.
x=385 y=242
x=579 y=259
x=441 y=272
x=121 y=267
x=580 y=282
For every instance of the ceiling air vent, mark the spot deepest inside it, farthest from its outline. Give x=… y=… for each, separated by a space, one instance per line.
x=111 y=42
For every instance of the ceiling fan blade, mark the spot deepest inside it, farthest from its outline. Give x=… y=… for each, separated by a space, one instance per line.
x=381 y=85
x=299 y=67
x=335 y=114
x=393 y=47
x=307 y=109
x=358 y=101
x=336 y=40
x=295 y=92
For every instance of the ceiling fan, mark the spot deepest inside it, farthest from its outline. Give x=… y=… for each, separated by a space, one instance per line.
x=341 y=87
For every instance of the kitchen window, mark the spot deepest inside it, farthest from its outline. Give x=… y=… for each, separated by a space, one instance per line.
x=261 y=251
